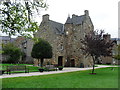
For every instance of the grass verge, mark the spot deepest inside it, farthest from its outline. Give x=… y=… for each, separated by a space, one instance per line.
x=31 y=68
x=105 y=78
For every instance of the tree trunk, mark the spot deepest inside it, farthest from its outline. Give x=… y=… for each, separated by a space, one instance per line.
x=93 y=64
x=38 y=62
x=41 y=62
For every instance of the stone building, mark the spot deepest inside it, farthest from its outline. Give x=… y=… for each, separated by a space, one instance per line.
x=65 y=39
x=110 y=59
x=4 y=40
x=25 y=44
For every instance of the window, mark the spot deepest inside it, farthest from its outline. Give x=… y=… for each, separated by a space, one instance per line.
x=61 y=47
x=66 y=32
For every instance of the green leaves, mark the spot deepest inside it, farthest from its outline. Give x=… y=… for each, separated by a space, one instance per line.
x=16 y=17
x=117 y=52
x=13 y=53
x=117 y=57
x=41 y=49
x=12 y=18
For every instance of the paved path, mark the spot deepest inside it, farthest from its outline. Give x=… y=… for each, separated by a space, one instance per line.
x=69 y=69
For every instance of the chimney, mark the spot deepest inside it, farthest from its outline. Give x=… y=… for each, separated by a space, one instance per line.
x=86 y=12
x=45 y=17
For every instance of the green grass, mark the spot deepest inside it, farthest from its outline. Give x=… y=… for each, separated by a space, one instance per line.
x=31 y=68
x=13 y=64
x=106 y=65
x=105 y=78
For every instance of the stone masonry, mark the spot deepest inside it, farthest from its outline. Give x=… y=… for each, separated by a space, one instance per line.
x=65 y=39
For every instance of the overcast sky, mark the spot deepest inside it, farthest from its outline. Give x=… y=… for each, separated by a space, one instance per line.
x=104 y=13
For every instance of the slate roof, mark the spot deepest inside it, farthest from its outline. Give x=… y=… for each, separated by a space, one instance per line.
x=75 y=20
x=7 y=38
x=57 y=27
x=118 y=39
x=4 y=38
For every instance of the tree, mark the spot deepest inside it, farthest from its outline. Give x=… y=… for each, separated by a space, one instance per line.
x=41 y=49
x=117 y=54
x=95 y=45
x=16 y=17
x=117 y=57
x=12 y=52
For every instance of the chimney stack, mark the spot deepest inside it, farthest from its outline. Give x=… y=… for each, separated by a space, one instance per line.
x=45 y=17
x=86 y=12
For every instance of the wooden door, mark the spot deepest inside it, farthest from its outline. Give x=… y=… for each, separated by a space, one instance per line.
x=72 y=63
x=60 y=60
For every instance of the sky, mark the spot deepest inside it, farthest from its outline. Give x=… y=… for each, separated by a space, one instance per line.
x=103 y=13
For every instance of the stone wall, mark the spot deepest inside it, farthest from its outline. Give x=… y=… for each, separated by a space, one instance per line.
x=74 y=33
x=107 y=60
x=47 y=33
x=65 y=40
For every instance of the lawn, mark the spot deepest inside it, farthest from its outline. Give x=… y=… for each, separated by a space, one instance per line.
x=1 y=64
x=105 y=78
x=31 y=68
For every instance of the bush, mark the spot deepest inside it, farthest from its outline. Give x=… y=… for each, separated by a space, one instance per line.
x=41 y=49
x=11 y=52
x=117 y=57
